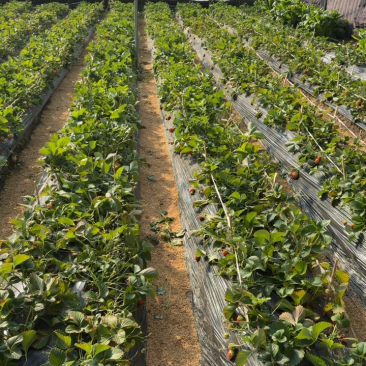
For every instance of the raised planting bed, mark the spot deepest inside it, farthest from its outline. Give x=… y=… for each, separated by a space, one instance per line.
x=304 y=58
x=309 y=186
x=34 y=82
x=74 y=271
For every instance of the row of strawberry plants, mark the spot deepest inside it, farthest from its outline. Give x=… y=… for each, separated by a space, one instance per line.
x=14 y=33
x=75 y=269
x=317 y=138
x=302 y=53
x=13 y=8
x=260 y=239
x=24 y=78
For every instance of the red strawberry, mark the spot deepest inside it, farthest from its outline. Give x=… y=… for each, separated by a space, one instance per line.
x=161 y=107
x=197 y=258
x=171 y=143
x=344 y=222
x=115 y=168
x=201 y=218
x=295 y=175
x=192 y=190
x=230 y=354
x=140 y=302
x=168 y=118
x=239 y=318
x=171 y=129
x=317 y=160
x=320 y=114
x=351 y=225
x=358 y=102
x=225 y=253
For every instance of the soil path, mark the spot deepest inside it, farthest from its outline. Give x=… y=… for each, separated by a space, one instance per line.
x=20 y=179
x=173 y=339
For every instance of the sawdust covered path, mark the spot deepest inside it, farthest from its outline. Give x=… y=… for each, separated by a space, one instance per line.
x=173 y=337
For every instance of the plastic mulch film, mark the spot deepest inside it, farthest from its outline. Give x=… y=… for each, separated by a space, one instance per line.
x=360 y=20
x=351 y=256
x=208 y=287
x=354 y=11
x=349 y=9
x=356 y=72
x=7 y=147
x=321 y=3
x=137 y=357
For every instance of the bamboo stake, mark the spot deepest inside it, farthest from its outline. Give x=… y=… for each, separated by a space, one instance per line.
x=330 y=282
x=37 y=193
x=343 y=168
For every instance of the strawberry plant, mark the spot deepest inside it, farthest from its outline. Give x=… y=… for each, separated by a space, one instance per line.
x=74 y=270
x=274 y=304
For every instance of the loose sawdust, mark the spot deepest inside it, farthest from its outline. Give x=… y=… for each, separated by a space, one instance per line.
x=18 y=181
x=173 y=339
x=357 y=315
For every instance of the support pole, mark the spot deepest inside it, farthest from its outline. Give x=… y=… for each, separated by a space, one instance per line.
x=137 y=31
